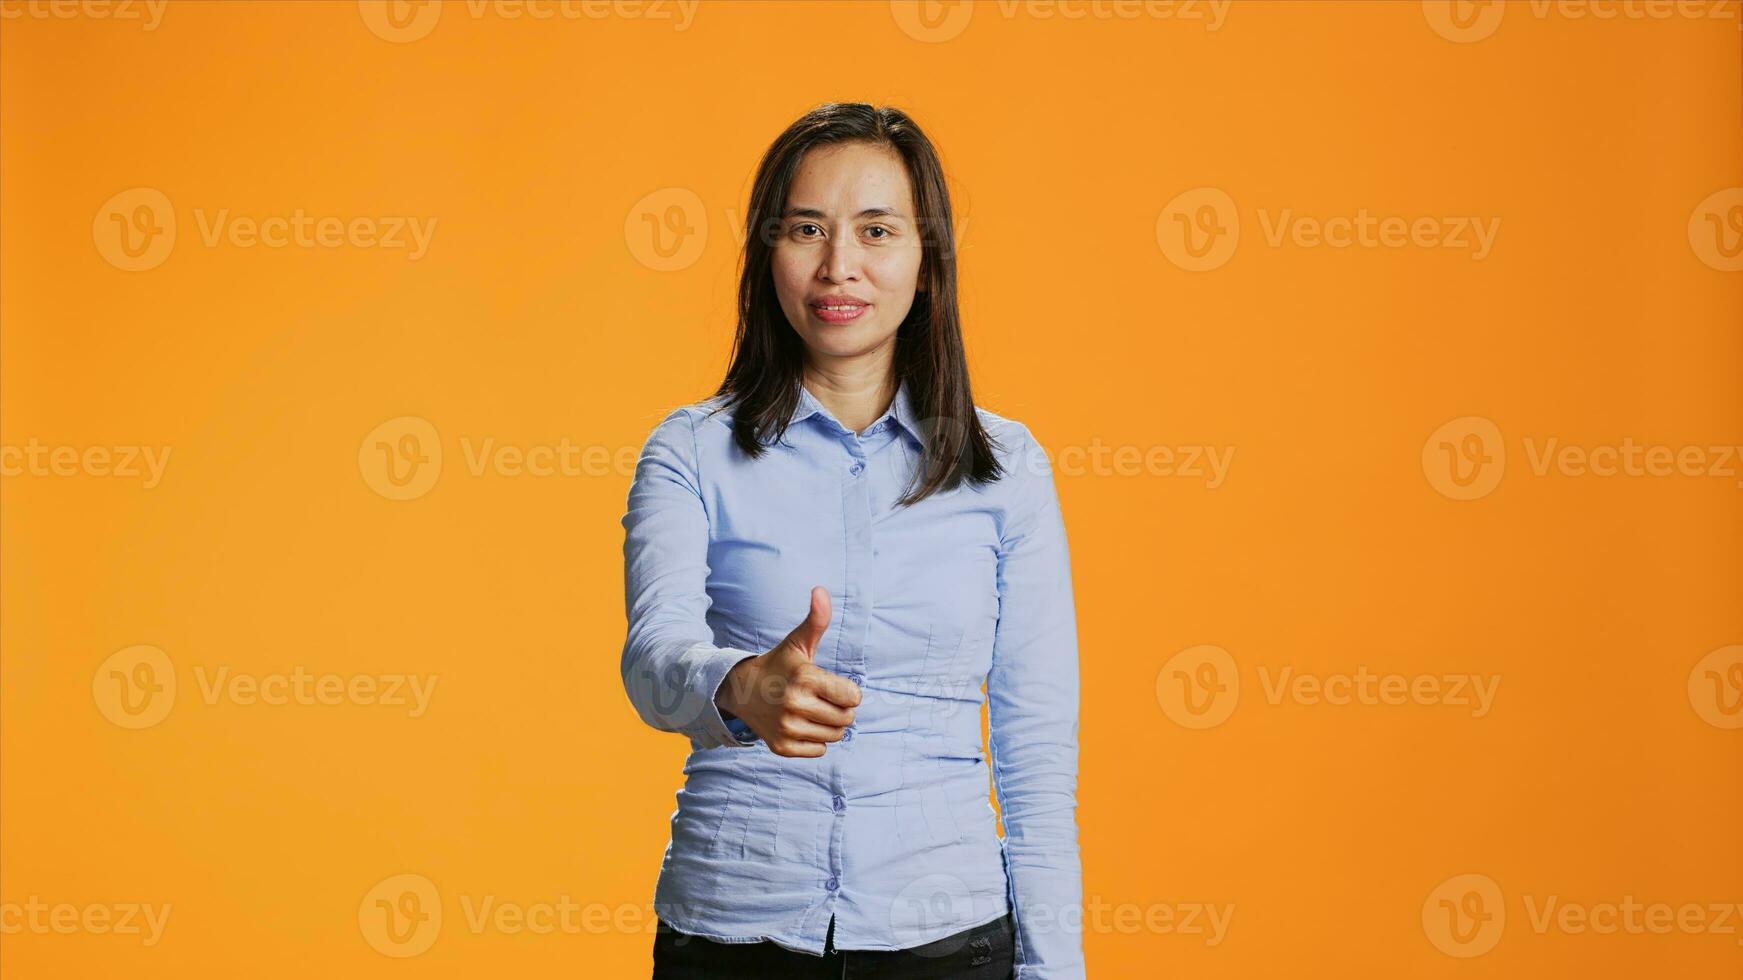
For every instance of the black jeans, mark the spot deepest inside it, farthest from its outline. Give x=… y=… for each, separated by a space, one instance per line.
x=983 y=952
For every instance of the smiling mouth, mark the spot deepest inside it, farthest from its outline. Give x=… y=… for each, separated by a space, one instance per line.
x=839 y=312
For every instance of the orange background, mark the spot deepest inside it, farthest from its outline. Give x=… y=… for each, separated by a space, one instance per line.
x=538 y=314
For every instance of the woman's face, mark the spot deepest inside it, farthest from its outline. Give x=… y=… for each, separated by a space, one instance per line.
x=847 y=238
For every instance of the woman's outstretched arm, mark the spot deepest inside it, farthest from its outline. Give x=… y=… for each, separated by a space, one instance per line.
x=1033 y=707
x=671 y=667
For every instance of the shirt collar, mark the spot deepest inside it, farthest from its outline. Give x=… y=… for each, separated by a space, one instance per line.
x=901 y=408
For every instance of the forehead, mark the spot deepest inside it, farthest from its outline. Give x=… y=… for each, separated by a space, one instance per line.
x=846 y=178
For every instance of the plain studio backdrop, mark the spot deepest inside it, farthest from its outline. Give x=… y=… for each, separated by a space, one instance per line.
x=1389 y=356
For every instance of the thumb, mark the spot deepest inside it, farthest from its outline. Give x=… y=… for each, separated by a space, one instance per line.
x=808 y=636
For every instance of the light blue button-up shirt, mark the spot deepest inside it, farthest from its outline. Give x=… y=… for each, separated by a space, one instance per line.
x=890 y=831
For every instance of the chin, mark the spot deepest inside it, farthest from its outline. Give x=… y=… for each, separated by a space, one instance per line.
x=843 y=339
x=834 y=334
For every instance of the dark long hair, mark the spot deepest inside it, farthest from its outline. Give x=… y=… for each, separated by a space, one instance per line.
x=762 y=383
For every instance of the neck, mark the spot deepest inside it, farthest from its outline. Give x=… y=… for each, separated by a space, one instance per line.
x=855 y=398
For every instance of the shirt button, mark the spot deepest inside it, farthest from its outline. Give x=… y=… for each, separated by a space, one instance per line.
x=855 y=468
x=847 y=735
x=840 y=804
x=833 y=883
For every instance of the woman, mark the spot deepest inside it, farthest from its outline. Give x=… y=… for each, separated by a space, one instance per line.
x=834 y=815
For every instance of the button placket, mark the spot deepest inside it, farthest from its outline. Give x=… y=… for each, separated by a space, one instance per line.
x=855 y=622
x=856 y=448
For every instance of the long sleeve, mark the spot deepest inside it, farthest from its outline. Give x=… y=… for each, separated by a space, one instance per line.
x=671 y=667
x=1033 y=712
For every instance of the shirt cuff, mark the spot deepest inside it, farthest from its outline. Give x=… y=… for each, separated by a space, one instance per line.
x=719 y=731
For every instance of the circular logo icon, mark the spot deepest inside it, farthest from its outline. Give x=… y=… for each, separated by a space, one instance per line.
x=400 y=21
x=401 y=458
x=1199 y=686
x=1464 y=915
x=135 y=230
x=666 y=230
x=401 y=916
x=931 y=905
x=669 y=694
x=1716 y=687
x=1465 y=458
x=135 y=687
x=1199 y=229
x=1716 y=230
x=1464 y=21
x=932 y=21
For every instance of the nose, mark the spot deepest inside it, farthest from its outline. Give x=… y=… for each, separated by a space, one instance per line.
x=841 y=261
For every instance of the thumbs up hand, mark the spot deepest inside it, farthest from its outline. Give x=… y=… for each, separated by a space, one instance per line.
x=794 y=706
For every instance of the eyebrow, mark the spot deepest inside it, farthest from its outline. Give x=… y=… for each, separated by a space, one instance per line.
x=878 y=212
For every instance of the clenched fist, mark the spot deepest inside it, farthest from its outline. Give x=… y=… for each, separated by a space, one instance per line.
x=794 y=706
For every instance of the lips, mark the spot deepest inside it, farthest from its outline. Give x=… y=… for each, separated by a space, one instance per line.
x=840 y=303
x=838 y=308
